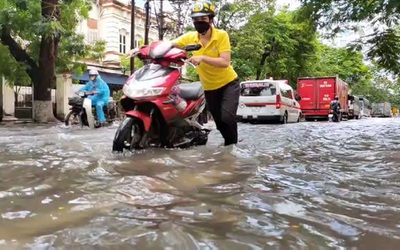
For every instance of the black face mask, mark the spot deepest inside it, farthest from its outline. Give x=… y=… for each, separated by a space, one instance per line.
x=201 y=26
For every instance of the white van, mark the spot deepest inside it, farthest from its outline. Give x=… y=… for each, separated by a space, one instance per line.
x=268 y=100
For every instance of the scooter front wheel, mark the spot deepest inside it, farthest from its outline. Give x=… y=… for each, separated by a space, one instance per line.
x=73 y=118
x=128 y=135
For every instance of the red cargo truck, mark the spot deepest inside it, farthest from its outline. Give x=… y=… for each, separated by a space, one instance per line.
x=317 y=93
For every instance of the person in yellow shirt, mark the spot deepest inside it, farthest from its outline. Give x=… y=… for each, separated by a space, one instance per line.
x=213 y=63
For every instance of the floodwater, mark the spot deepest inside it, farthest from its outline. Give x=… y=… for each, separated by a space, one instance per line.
x=311 y=185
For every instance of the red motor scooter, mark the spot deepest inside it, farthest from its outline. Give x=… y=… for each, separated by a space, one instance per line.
x=151 y=115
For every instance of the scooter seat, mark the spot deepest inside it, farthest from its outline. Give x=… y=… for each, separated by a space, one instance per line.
x=191 y=91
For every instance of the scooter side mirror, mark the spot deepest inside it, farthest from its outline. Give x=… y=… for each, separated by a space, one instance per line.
x=297 y=98
x=193 y=47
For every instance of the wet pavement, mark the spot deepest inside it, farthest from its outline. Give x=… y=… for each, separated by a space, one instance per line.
x=307 y=185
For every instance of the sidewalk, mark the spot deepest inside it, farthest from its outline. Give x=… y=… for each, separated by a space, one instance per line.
x=10 y=120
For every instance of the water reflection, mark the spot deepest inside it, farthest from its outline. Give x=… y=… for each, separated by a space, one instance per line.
x=307 y=185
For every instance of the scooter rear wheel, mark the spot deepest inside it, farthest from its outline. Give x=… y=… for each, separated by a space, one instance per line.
x=128 y=135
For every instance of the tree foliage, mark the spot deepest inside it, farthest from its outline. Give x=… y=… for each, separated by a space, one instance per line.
x=297 y=48
x=38 y=38
x=23 y=20
x=382 y=16
x=345 y=63
x=231 y=15
x=73 y=49
x=379 y=87
x=294 y=46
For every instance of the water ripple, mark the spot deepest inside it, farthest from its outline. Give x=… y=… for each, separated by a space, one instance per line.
x=298 y=186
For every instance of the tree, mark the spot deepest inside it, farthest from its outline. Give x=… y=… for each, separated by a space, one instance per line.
x=382 y=16
x=345 y=63
x=231 y=15
x=38 y=35
x=380 y=87
x=295 y=46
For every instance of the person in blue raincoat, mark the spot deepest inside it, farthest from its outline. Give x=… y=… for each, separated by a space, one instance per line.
x=100 y=93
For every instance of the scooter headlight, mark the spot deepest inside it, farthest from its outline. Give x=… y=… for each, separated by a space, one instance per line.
x=135 y=92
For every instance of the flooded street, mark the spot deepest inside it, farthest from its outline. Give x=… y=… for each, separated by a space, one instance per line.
x=293 y=186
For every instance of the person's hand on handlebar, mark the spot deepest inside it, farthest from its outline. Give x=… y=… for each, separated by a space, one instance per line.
x=196 y=60
x=86 y=93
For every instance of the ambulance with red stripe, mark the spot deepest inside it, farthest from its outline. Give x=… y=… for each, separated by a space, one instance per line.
x=268 y=100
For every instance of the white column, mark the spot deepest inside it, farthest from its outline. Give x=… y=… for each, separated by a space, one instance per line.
x=8 y=99
x=63 y=90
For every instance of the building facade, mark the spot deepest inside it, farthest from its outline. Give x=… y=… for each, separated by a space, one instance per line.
x=110 y=20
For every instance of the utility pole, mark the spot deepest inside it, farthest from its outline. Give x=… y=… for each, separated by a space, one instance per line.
x=133 y=9
x=179 y=18
x=161 y=22
x=147 y=25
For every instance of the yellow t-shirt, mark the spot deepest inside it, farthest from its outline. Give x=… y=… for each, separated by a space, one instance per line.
x=211 y=77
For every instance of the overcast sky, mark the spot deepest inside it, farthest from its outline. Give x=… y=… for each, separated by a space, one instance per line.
x=293 y=4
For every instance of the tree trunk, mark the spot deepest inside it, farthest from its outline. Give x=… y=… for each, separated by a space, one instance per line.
x=42 y=104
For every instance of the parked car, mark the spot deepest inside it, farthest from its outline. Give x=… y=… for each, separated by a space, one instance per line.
x=268 y=100
x=318 y=92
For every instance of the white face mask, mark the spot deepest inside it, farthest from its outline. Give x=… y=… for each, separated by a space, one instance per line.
x=92 y=78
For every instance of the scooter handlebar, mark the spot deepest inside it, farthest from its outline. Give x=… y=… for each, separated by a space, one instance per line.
x=84 y=93
x=133 y=53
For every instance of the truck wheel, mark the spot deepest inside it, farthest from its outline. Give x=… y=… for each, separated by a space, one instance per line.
x=284 y=119
x=298 y=119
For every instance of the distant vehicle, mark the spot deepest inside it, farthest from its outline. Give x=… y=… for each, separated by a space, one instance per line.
x=268 y=100
x=83 y=113
x=383 y=109
x=395 y=111
x=317 y=93
x=354 y=107
x=365 y=107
